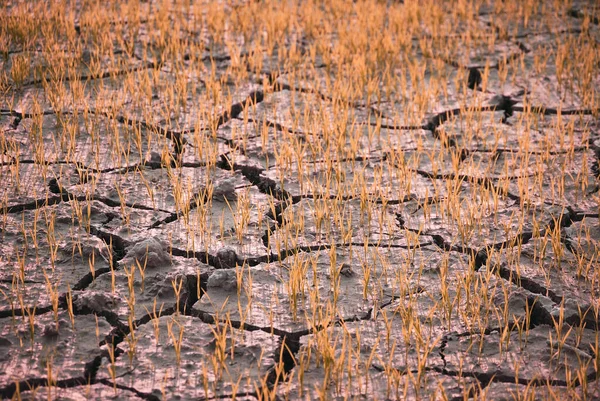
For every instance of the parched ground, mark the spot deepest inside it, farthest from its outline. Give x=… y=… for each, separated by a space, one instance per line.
x=299 y=200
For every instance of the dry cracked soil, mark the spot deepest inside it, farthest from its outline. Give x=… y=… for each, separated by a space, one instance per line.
x=290 y=200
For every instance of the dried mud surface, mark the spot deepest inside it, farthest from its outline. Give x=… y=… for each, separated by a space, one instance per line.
x=174 y=252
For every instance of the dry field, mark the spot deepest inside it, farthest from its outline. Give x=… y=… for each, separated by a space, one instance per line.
x=300 y=200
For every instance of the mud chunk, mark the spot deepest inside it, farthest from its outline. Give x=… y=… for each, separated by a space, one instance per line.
x=226 y=258
x=346 y=270
x=153 y=158
x=163 y=286
x=225 y=189
x=53 y=329
x=225 y=279
x=50 y=330
x=95 y=301
x=151 y=253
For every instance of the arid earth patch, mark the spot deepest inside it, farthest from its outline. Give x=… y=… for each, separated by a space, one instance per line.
x=299 y=200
